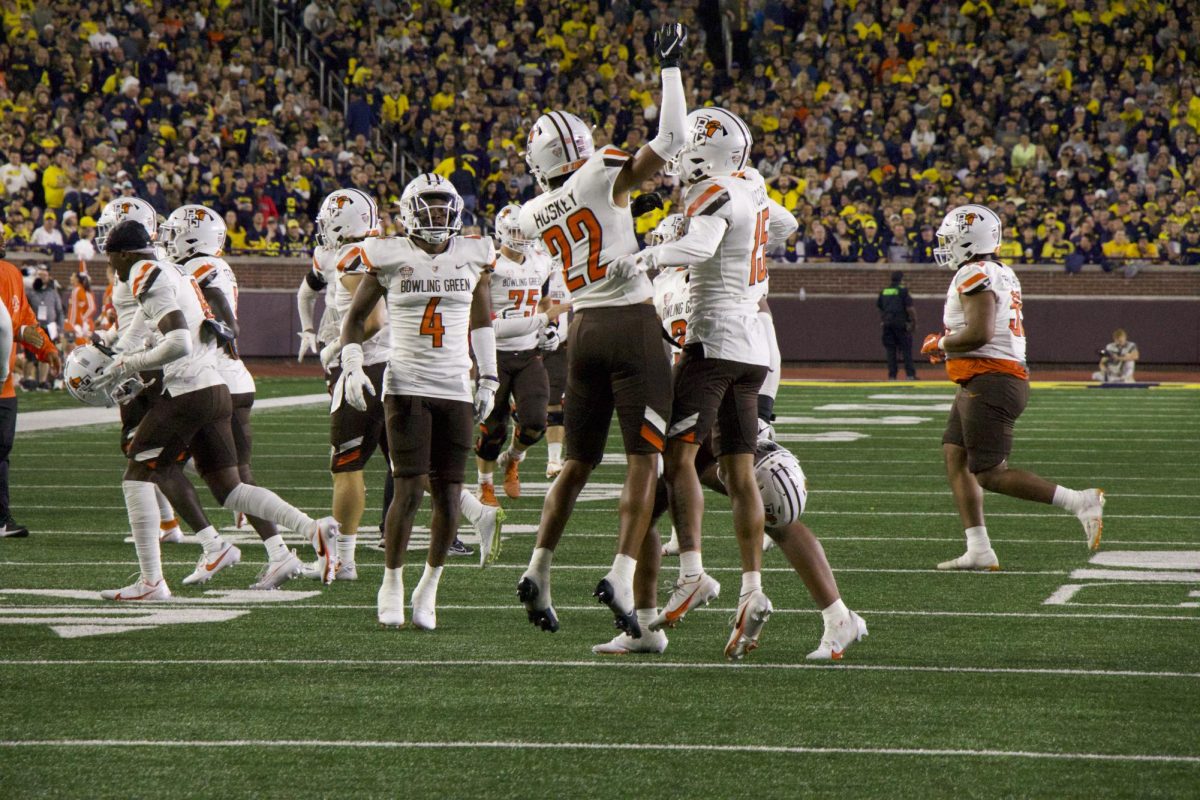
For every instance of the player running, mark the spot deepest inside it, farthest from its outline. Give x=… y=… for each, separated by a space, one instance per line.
x=616 y=360
x=983 y=345
x=438 y=301
x=521 y=316
x=552 y=341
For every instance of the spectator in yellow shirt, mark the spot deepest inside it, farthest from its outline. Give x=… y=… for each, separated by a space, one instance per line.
x=56 y=181
x=1119 y=247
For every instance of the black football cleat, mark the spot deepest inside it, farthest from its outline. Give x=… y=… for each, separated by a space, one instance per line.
x=625 y=620
x=13 y=530
x=528 y=593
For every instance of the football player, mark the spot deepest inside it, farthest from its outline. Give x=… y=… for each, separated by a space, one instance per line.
x=438 y=304
x=553 y=343
x=516 y=283
x=192 y=415
x=127 y=333
x=730 y=222
x=983 y=345
x=616 y=360
x=193 y=237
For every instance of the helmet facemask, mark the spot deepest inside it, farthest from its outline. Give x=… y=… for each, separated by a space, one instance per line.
x=433 y=216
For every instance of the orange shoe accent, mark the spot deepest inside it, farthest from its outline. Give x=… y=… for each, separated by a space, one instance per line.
x=994 y=568
x=836 y=655
x=674 y=616
x=168 y=524
x=733 y=640
x=512 y=479
x=487 y=495
x=210 y=567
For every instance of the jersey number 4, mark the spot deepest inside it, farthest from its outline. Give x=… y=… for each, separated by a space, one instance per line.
x=581 y=226
x=431 y=322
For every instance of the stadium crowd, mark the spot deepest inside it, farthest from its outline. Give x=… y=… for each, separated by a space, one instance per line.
x=1077 y=119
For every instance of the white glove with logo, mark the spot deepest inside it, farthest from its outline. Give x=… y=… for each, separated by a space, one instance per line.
x=485 y=396
x=631 y=265
x=549 y=339
x=308 y=342
x=352 y=385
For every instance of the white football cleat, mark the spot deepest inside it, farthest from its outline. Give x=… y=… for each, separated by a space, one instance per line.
x=552 y=469
x=424 y=614
x=346 y=571
x=169 y=532
x=836 y=639
x=624 y=644
x=209 y=564
x=277 y=573
x=139 y=590
x=671 y=548
x=390 y=605
x=488 y=528
x=324 y=541
x=753 y=611
x=1092 y=517
x=314 y=571
x=689 y=592
x=985 y=561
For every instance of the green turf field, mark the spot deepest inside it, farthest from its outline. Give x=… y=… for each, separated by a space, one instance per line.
x=1055 y=677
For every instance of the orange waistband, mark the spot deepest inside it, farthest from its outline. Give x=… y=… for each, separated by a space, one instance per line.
x=962 y=370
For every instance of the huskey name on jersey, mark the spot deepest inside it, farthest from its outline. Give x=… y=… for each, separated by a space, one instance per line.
x=555 y=210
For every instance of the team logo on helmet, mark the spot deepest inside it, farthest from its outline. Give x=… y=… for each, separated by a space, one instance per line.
x=75 y=381
x=969 y=218
x=712 y=127
x=126 y=207
x=340 y=200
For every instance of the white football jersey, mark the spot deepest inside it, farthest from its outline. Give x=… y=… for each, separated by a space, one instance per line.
x=557 y=292
x=726 y=286
x=159 y=289
x=1008 y=336
x=130 y=325
x=516 y=291
x=325 y=265
x=211 y=272
x=349 y=261
x=429 y=311
x=583 y=230
x=672 y=300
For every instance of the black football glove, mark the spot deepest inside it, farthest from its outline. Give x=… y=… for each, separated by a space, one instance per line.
x=668 y=44
x=645 y=203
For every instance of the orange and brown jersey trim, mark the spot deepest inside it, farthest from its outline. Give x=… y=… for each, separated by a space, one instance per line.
x=354 y=260
x=975 y=283
x=143 y=276
x=709 y=202
x=205 y=273
x=615 y=157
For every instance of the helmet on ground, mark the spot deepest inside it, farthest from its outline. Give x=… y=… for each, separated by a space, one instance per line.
x=716 y=142
x=781 y=483
x=121 y=209
x=431 y=208
x=559 y=143
x=82 y=371
x=345 y=215
x=193 y=231
x=966 y=232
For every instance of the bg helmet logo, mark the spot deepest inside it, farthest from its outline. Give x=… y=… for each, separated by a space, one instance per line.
x=341 y=200
x=969 y=219
x=712 y=127
x=75 y=382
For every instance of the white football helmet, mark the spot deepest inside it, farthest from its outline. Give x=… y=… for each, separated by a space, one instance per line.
x=345 y=215
x=121 y=209
x=671 y=228
x=193 y=231
x=82 y=369
x=716 y=142
x=781 y=483
x=431 y=208
x=559 y=143
x=508 y=229
x=966 y=232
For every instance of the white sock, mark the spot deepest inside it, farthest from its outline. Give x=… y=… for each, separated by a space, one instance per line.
x=977 y=540
x=645 y=616
x=484 y=477
x=751 y=582
x=255 y=501
x=428 y=585
x=539 y=562
x=554 y=451
x=277 y=550
x=835 y=613
x=516 y=455
x=470 y=506
x=345 y=548
x=623 y=568
x=690 y=563
x=210 y=540
x=1068 y=499
x=165 y=512
x=143 y=522
x=393 y=579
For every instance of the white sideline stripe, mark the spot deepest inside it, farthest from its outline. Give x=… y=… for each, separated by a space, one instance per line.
x=598 y=662
x=61 y=418
x=620 y=746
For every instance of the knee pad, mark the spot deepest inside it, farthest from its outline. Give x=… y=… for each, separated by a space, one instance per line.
x=554 y=419
x=529 y=436
x=491 y=441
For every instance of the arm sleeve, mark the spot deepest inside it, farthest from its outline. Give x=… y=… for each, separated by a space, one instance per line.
x=781 y=222
x=770 y=385
x=6 y=341
x=306 y=301
x=517 y=326
x=672 y=116
x=174 y=345
x=483 y=343
x=701 y=241
x=131 y=336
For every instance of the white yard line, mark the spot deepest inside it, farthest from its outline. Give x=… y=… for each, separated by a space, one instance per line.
x=62 y=418
x=640 y=747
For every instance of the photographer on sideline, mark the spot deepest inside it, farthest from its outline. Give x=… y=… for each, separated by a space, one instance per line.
x=1117 y=359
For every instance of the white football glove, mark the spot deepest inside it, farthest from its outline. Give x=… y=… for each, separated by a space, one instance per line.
x=549 y=339
x=485 y=397
x=329 y=354
x=352 y=385
x=631 y=265
x=113 y=375
x=308 y=342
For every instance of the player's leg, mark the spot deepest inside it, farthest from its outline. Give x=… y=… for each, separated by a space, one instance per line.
x=531 y=391
x=988 y=421
x=556 y=372
x=243 y=442
x=968 y=496
x=8 y=433
x=493 y=432
x=645 y=600
x=132 y=413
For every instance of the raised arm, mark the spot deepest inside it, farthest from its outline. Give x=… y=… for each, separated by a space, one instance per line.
x=672 y=116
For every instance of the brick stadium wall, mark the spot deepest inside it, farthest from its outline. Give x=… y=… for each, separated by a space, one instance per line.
x=1069 y=317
